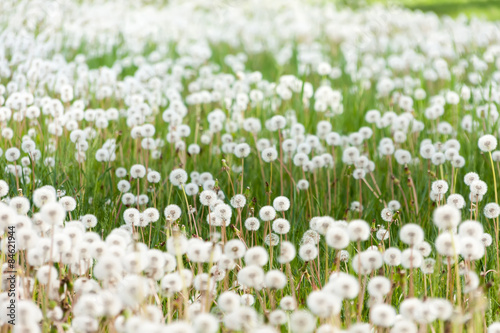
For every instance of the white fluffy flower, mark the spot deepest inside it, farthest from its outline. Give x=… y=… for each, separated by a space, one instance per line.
x=178 y=177
x=383 y=315
x=446 y=217
x=487 y=143
x=491 y=210
x=281 y=204
x=267 y=213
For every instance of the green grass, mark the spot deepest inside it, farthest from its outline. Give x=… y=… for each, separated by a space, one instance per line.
x=487 y=9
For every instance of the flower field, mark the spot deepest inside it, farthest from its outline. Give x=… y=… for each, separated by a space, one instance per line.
x=247 y=166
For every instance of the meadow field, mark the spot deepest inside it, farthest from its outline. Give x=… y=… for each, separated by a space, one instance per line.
x=249 y=166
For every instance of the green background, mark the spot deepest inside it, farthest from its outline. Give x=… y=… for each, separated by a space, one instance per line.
x=489 y=9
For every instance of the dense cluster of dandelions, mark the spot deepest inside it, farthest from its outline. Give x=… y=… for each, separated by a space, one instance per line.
x=301 y=226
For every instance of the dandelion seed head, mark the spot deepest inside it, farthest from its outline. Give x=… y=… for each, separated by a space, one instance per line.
x=487 y=143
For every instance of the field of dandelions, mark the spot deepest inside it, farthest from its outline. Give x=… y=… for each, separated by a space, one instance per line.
x=249 y=166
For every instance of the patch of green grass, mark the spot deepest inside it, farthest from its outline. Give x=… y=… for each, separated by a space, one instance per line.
x=488 y=9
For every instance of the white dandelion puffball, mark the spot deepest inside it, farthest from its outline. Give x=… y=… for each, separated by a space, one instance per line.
x=487 y=143
x=178 y=177
x=491 y=210
x=267 y=213
x=446 y=217
x=383 y=315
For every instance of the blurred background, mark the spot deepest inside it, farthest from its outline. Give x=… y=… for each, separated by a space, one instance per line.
x=489 y=9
